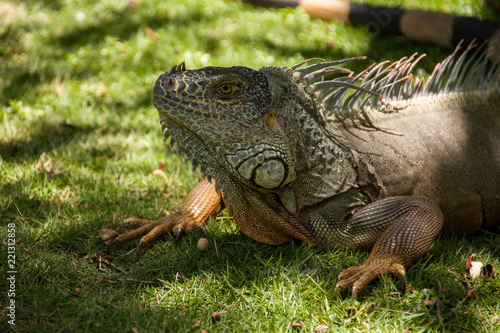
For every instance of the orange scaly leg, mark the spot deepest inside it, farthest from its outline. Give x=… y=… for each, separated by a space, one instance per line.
x=201 y=203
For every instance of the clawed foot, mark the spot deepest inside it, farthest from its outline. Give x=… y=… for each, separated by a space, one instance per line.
x=201 y=203
x=149 y=230
x=359 y=276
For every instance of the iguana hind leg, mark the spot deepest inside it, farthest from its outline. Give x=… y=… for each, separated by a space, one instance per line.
x=201 y=203
x=409 y=226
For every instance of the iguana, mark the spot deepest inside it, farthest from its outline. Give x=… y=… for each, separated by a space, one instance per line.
x=378 y=160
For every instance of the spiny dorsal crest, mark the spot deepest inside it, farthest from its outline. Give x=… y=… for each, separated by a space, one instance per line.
x=382 y=85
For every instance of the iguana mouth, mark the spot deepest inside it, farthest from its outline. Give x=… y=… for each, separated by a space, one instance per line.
x=182 y=138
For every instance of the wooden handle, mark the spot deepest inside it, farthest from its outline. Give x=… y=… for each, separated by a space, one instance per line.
x=418 y=25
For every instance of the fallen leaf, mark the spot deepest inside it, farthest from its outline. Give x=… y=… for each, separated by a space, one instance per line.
x=430 y=302
x=48 y=166
x=489 y=271
x=132 y=4
x=160 y=173
x=468 y=261
x=107 y=235
x=298 y=324
x=470 y=293
x=151 y=34
x=321 y=328
x=39 y=163
x=178 y=276
x=473 y=267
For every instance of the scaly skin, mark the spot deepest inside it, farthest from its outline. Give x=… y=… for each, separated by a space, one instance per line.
x=199 y=205
x=287 y=172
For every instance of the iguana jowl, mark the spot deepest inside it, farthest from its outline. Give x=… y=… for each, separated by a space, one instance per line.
x=378 y=160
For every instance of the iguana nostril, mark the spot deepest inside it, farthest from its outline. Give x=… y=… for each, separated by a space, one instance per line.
x=170 y=84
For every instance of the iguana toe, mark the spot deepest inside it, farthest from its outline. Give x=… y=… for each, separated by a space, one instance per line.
x=140 y=228
x=150 y=231
x=358 y=277
x=133 y=223
x=200 y=204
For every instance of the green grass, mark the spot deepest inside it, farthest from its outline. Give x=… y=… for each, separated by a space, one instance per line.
x=79 y=139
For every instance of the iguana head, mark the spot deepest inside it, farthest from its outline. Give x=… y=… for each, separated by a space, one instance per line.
x=230 y=120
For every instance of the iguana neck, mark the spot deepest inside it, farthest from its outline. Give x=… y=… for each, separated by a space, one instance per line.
x=323 y=166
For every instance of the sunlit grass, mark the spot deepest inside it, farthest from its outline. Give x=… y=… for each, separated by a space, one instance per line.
x=79 y=140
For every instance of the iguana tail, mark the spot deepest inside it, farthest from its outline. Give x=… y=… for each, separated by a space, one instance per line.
x=419 y=25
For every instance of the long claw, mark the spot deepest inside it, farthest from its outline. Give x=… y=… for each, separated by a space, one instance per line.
x=354 y=293
x=336 y=292
x=139 y=247
x=178 y=236
x=403 y=282
x=112 y=245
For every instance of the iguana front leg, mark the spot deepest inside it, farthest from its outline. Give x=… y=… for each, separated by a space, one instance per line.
x=201 y=203
x=406 y=226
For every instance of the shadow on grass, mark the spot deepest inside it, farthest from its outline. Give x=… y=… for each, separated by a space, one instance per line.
x=237 y=264
x=47 y=137
x=93 y=289
x=50 y=4
x=124 y=24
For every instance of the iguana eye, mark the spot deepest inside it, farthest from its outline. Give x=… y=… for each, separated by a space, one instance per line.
x=227 y=89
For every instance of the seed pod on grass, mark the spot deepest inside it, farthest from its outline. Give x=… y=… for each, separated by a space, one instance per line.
x=215 y=317
x=203 y=244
